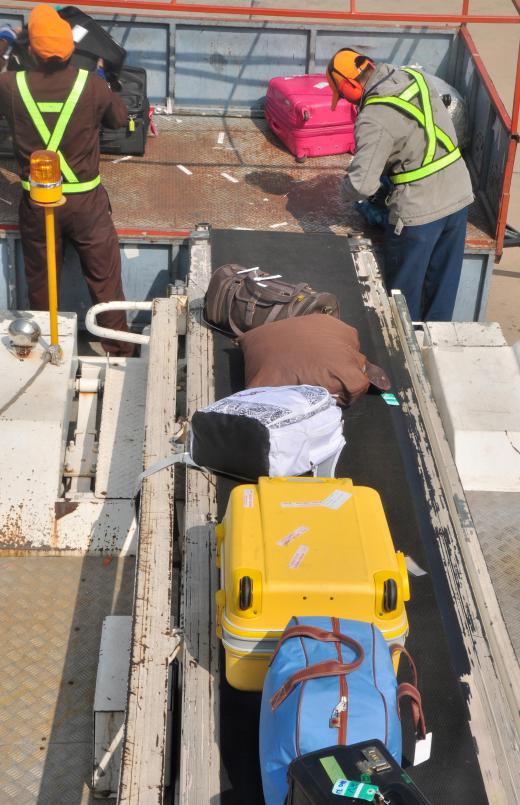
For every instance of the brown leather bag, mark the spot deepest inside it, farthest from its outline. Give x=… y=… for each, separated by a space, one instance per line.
x=239 y=299
x=314 y=351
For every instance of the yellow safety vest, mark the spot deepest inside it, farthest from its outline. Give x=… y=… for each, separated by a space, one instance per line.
x=51 y=141
x=424 y=117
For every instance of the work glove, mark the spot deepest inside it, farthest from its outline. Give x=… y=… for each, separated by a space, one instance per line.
x=380 y=196
x=373 y=213
x=8 y=34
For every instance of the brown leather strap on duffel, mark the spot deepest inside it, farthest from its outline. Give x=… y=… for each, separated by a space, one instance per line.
x=323 y=636
x=406 y=690
x=317 y=671
x=396 y=648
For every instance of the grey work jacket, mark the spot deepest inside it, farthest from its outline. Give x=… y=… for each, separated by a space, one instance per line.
x=389 y=141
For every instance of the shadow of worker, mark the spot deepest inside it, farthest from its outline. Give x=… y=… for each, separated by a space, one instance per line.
x=316 y=203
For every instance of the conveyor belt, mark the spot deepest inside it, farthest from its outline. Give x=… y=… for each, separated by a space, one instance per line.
x=379 y=454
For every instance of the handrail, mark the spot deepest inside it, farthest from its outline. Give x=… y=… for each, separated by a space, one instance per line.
x=324 y=15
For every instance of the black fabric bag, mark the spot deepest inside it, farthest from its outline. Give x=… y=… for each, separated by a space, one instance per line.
x=131 y=139
x=311 y=784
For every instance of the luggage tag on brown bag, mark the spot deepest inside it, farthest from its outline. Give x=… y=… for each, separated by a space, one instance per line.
x=377 y=376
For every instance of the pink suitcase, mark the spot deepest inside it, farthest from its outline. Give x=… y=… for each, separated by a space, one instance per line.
x=297 y=108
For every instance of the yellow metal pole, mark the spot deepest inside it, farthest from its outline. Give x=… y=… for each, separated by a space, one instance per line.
x=51 y=274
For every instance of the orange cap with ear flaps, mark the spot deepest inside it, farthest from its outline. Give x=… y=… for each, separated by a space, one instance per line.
x=343 y=72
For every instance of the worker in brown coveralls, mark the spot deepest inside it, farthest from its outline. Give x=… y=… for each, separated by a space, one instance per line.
x=48 y=95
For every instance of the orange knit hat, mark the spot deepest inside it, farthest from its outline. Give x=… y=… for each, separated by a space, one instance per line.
x=49 y=35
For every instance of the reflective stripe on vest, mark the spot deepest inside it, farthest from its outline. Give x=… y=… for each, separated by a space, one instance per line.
x=424 y=117
x=71 y=187
x=51 y=141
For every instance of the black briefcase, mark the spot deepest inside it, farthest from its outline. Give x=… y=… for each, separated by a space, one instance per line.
x=312 y=777
x=131 y=139
x=92 y=42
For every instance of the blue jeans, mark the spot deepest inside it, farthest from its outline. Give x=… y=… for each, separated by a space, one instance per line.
x=424 y=263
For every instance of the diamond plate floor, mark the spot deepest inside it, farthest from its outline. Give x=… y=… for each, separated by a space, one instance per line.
x=271 y=190
x=497 y=519
x=51 y=612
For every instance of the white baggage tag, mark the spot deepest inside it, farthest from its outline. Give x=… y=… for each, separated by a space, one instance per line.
x=298 y=532
x=332 y=501
x=248 y=498
x=79 y=33
x=336 y=499
x=413 y=568
x=298 y=557
x=423 y=749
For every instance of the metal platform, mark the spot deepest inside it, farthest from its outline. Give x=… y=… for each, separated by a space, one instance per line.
x=51 y=613
x=497 y=520
x=266 y=190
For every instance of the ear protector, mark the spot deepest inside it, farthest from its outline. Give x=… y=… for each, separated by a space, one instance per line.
x=348 y=87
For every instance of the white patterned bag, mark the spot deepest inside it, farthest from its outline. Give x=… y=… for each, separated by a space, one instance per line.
x=287 y=430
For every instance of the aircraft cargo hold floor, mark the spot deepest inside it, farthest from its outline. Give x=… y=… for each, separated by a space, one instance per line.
x=232 y=172
x=379 y=453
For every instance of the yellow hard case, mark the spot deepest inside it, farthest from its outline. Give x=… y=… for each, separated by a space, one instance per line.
x=303 y=546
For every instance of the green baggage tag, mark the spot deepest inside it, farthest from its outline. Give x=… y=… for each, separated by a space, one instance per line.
x=332 y=767
x=390 y=399
x=350 y=788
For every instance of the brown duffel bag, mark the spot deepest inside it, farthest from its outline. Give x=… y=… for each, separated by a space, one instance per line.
x=314 y=351
x=239 y=299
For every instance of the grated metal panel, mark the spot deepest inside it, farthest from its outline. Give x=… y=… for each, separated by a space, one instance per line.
x=497 y=520
x=51 y=614
x=273 y=191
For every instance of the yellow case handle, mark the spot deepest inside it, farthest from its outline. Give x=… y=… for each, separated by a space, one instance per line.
x=389 y=594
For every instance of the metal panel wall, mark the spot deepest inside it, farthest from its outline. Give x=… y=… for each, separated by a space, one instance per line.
x=229 y=67
x=148 y=47
x=473 y=289
x=431 y=51
x=146 y=268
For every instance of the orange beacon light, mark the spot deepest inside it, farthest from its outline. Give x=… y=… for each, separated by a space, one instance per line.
x=45 y=177
x=46 y=191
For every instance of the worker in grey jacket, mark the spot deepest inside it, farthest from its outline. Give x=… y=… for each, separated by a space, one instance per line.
x=404 y=133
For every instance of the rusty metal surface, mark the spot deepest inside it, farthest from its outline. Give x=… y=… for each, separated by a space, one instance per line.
x=272 y=191
x=51 y=613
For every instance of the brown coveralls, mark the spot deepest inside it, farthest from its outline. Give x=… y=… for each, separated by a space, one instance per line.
x=85 y=220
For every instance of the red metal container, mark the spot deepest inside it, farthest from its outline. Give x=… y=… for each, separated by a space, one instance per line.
x=297 y=109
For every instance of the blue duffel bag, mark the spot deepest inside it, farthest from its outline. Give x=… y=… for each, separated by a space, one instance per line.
x=330 y=681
